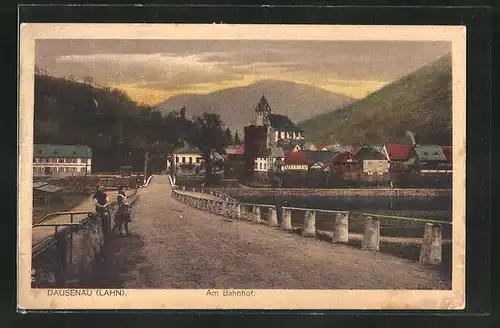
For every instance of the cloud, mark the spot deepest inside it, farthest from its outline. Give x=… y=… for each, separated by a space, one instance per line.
x=351 y=67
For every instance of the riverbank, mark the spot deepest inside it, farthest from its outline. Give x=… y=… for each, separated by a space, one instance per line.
x=379 y=192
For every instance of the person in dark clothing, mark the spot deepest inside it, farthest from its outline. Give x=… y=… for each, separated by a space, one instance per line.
x=100 y=201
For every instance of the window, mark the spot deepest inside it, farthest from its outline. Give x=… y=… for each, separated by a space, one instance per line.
x=183 y=159
x=265 y=165
x=260 y=166
x=177 y=159
x=60 y=160
x=190 y=160
x=197 y=159
x=82 y=169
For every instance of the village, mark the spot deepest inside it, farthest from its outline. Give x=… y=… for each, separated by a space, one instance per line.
x=276 y=153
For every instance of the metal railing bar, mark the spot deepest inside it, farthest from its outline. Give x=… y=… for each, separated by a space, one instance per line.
x=314 y=209
x=404 y=218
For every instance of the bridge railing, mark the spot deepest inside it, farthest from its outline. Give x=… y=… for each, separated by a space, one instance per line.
x=335 y=222
x=61 y=257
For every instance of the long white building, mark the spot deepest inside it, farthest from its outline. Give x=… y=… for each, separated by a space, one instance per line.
x=61 y=160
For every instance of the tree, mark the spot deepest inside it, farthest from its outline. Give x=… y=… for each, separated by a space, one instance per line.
x=237 y=140
x=208 y=135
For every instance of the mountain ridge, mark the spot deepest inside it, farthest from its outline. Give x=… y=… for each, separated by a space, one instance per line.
x=236 y=105
x=419 y=102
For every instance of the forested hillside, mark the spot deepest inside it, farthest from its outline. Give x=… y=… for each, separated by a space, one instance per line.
x=118 y=130
x=420 y=102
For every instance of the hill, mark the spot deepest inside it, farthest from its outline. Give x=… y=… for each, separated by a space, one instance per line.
x=420 y=102
x=236 y=105
x=117 y=129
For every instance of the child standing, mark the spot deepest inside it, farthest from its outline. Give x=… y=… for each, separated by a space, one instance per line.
x=122 y=215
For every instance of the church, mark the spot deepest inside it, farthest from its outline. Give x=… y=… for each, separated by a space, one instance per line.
x=265 y=135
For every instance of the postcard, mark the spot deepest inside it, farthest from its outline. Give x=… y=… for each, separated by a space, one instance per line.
x=216 y=166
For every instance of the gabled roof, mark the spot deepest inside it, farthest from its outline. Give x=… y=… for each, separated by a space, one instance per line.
x=289 y=147
x=48 y=150
x=276 y=152
x=283 y=123
x=49 y=188
x=429 y=153
x=315 y=156
x=344 y=157
x=369 y=153
x=448 y=152
x=398 y=151
x=187 y=149
x=295 y=158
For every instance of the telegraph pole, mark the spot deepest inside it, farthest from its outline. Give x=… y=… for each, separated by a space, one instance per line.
x=146 y=167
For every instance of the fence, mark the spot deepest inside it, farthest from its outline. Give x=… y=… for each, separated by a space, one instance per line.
x=226 y=206
x=67 y=257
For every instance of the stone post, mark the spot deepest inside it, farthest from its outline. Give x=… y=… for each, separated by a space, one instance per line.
x=183 y=187
x=273 y=217
x=286 y=219
x=341 y=229
x=432 y=244
x=371 y=238
x=309 y=229
x=256 y=214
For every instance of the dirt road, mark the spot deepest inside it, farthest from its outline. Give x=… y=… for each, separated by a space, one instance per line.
x=176 y=246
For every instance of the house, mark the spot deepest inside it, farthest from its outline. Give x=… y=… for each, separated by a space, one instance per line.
x=428 y=159
x=188 y=159
x=61 y=160
x=296 y=161
x=314 y=146
x=273 y=161
x=316 y=159
x=372 y=161
x=45 y=191
x=291 y=145
x=345 y=162
x=398 y=155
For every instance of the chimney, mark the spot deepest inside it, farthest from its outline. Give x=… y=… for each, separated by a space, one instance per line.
x=183 y=112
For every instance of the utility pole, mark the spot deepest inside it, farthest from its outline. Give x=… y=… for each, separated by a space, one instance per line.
x=146 y=167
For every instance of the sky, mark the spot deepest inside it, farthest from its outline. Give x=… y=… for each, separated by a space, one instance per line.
x=150 y=71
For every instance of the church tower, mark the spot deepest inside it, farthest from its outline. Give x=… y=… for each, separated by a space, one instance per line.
x=262 y=112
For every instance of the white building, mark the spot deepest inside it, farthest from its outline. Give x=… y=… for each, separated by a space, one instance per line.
x=273 y=162
x=61 y=160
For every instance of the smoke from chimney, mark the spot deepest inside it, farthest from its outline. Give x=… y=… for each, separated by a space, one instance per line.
x=412 y=136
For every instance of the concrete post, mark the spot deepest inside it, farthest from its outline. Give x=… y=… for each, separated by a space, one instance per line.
x=341 y=229
x=273 y=217
x=432 y=244
x=183 y=187
x=371 y=238
x=256 y=214
x=286 y=219
x=309 y=229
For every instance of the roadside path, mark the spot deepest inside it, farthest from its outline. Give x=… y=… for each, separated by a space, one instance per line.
x=176 y=246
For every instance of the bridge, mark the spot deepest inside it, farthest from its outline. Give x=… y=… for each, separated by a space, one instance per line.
x=175 y=245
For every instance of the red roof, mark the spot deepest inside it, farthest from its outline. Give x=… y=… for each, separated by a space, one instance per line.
x=236 y=150
x=296 y=158
x=448 y=152
x=398 y=151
